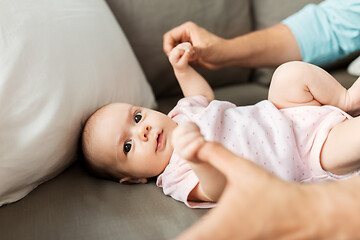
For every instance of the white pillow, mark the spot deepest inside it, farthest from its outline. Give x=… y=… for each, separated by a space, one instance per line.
x=59 y=62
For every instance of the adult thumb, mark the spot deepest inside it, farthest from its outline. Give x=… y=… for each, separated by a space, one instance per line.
x=219 y=157
x=229 y=164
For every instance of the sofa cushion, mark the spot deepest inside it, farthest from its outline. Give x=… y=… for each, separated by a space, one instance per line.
x=77 y=206
x=144 y=23
x=59 y=61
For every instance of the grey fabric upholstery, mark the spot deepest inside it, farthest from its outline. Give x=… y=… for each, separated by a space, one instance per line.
x=144 y=23
x=75 y=205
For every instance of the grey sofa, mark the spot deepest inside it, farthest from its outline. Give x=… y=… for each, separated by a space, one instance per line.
x=75 y=205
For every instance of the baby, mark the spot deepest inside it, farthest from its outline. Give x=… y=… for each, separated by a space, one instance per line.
x=292 y=134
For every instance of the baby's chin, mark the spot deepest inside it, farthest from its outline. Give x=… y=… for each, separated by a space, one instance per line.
x=164 y=167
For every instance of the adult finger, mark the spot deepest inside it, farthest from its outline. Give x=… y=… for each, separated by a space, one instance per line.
x=218 y=156
x=177 y=35
x=173 y=37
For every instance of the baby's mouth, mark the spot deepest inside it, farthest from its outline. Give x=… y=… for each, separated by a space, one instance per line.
x=159 y=140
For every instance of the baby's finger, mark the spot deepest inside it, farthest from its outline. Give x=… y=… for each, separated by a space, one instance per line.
x=185 y=46
x=175 y=55
x=189 y=126
x=189 y=151
x=183 y=128
x=181 y=141
x=185 y=58
x=184 y=133
x=191 y=136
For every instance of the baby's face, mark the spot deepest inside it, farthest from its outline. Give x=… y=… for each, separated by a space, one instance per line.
x=134 y=141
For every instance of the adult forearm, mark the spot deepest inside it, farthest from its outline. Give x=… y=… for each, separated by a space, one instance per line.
x=264 y=48
x=338 y=209
x=257 y=205
x=319 y=211
x=322 y=211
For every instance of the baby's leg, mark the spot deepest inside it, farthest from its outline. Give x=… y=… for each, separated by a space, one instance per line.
x=341 y=151
x=298 y=84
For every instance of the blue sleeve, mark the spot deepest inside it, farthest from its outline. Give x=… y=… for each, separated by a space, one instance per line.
x=328 y=31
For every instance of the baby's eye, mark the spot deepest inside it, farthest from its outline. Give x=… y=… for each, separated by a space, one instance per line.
x=127 y=147
x=137 y=117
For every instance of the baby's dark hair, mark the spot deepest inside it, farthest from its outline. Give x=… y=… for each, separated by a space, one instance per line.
x=85 y=148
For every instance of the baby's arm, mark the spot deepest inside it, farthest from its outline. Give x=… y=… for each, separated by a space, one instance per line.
x=191 y=82
x=187 y=141
x=298 y=84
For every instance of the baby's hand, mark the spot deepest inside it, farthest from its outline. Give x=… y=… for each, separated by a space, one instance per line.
x=180 y=55
x=187 y=140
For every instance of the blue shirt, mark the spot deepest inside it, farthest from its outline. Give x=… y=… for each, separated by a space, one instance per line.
x=327 y=31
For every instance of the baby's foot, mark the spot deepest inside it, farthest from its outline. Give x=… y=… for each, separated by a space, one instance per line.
x=353 y=103
x=187 y=141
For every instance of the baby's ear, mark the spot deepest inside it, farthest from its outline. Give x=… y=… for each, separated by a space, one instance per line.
x=132 y=180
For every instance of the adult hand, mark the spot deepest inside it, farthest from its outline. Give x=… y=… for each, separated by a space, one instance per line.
x=255 y=204
x=208 y=47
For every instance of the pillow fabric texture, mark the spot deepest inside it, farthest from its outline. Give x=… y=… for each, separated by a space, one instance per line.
x=59 y=62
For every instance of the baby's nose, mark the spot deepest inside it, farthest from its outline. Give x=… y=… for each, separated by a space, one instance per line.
x=144 y=131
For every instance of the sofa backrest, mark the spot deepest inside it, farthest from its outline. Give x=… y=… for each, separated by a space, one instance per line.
x=144 y=23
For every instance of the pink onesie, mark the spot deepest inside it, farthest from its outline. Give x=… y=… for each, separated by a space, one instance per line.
x=286 y=142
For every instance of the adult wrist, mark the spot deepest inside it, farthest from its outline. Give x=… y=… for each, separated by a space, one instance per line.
x=333 y=210
x=240 y=51
x=229 y=53
x=294 y=214
x=337 y=209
